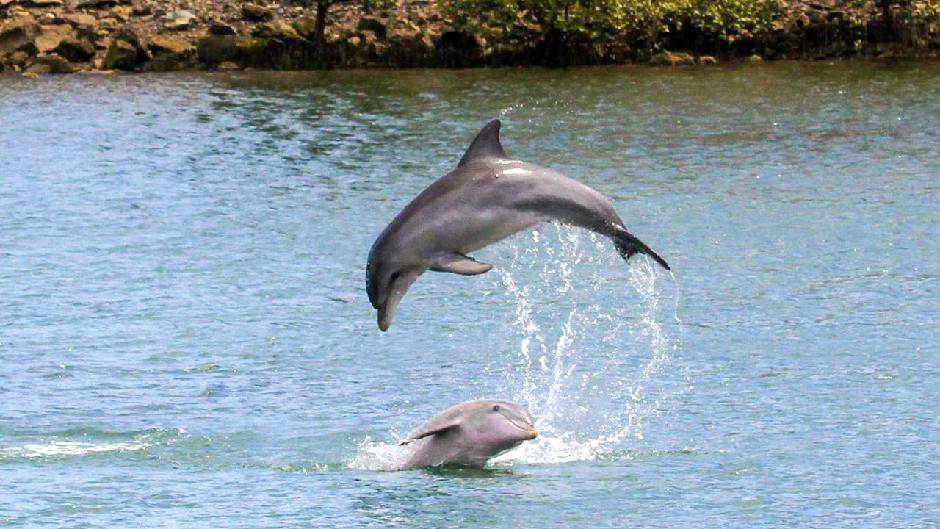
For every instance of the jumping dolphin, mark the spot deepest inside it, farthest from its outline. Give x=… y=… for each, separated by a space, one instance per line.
x=469 y=434
x=486 y=198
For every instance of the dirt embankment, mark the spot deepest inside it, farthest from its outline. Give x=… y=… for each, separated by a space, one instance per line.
x=64 y=36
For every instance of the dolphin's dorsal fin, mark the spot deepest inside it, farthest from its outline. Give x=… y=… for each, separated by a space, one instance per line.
x=485 y=145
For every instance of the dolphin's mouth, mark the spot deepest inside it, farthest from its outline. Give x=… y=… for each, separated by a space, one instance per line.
x=397 y=291
x=385 y=318
x=528 y=429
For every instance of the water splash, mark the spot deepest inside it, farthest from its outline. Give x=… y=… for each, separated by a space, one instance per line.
x=590 y=352
x=379 y=455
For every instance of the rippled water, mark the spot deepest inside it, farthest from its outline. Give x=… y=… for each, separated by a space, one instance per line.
x=186 y=340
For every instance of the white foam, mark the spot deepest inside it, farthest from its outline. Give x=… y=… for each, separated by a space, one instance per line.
x=69 y=448
x=375 y=455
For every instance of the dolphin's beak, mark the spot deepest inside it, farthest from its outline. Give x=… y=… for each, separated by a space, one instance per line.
x=528 y=430
x=399 y=288
x=385 y=319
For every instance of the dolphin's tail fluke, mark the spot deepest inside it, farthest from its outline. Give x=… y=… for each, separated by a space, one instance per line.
x=628 y=245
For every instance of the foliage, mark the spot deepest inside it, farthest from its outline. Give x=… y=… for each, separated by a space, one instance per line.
x=643 y=19
x=732 y=17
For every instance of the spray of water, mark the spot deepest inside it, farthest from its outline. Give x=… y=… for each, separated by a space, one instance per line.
x=590 y=350
x=378 y=455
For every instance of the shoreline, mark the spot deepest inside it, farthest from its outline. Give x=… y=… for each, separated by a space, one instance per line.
x=76 y=36
x=732 y=62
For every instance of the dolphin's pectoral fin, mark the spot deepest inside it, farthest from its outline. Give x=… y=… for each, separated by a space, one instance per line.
x=628 y=246
x=458 y=263
x=431 y=431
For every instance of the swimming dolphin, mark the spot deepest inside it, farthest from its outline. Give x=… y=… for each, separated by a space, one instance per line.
x=469 y=434
x=486 y=198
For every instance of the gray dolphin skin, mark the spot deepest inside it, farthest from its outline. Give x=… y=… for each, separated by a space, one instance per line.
x=486 y=198
x=469 y=434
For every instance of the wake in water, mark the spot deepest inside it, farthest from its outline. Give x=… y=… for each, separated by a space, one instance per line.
x=592 y=349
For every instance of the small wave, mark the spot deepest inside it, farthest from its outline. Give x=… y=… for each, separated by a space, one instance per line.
x=56 y=447
x=69 y=448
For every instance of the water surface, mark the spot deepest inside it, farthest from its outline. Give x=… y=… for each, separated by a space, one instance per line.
x=186 y=339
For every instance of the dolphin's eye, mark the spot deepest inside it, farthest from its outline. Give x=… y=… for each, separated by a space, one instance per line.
x=496 y=407
x=395 y=276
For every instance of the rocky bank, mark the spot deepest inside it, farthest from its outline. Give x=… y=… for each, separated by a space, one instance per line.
x=65 y=36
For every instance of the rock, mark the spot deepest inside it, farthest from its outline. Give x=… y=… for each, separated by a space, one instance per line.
x=76 y=50
x=17 y=34
x=277 y=54
x=459 y=49
x=31 y=75
x=37 y=68
x=51 y=63
x=50 y=37
x=276 y=29
x=373 y=24
x=18 y=58
x=170 y=45
x=41 y=3
x=215 y=49
x=122 y=13
x=228 y=66
x=121 y=55
x=108 y=24
x=670 y=58
x=816 y=17
x=368 y=37
x=256 y=13
x=97 y=4
x=707 y=59
x=78 y=20
x=179 y=20
x=408 y=46
x=132 y=36
x=139 y=8
x=217 y=27
x=754 y=58
x=305 y=26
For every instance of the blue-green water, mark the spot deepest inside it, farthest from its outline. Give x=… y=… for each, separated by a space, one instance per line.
x=185 y=338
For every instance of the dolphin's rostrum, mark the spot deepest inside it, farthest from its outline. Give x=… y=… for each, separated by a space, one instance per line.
x=469 y=434
x=486 y=198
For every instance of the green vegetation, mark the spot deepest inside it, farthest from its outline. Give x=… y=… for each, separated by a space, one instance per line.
x=701 y=25
x=642 y=20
